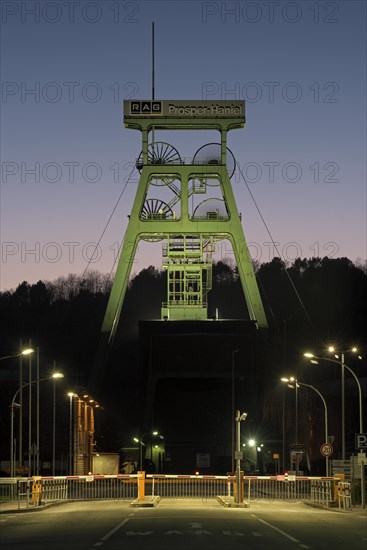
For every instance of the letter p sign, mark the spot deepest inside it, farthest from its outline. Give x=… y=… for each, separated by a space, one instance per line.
x=361 y=441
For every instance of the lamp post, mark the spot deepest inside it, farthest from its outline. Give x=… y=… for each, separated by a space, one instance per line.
x=238 y=418
x=53 y=426
x=344 y=366
x=232 y=412
x=13 y=405
x=26 y=351
x=293 y=379
x=283 y=432
x=325 y=413
x=71 y=395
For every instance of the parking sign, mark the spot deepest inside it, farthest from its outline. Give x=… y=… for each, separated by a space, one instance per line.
x=361 y=441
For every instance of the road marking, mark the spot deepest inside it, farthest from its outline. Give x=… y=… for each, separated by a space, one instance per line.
x=256 y=534
x=113 y=531
x=196 y=525
x=140 y=533
x=98 y=544
x=279 y=530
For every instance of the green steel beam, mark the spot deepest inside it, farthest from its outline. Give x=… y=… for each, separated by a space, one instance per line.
x=139 y=229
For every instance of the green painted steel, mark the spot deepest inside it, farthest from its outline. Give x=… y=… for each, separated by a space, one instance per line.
x=188 y=261
x=154 y=217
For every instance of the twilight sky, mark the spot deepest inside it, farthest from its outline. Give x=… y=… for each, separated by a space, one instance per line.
x=65 y=155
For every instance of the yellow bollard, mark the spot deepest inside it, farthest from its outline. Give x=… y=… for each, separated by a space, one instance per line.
x=141 y=485
x=36 y=490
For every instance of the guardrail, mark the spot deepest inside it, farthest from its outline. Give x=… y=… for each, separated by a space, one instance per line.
x=120 y=487
x=322 y=491
x=344 y=495
x=41 y=490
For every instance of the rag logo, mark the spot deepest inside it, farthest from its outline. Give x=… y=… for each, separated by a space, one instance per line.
x=146 y=108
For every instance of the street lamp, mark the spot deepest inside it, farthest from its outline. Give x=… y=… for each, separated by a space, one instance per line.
x=343 y=366
x=342 y=353
x=142 y=444
x=238 y=418
x=13 y=405
x=24 y=352
x=325 y=415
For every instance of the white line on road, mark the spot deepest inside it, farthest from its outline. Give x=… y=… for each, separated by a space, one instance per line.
x=277 y=529
x=110 y=533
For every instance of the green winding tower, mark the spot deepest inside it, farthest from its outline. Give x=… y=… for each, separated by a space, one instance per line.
x=188 y=204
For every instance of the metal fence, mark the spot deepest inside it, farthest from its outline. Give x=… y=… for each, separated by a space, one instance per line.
x=176 y=486
x=322 y=491
x=273 y=488
x=8 y=489
x=121 y=487
x=29 y=492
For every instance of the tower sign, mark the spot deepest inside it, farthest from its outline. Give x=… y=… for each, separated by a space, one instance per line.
x=183 y=108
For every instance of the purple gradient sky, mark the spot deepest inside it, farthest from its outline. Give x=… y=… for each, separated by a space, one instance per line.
x=320 y=55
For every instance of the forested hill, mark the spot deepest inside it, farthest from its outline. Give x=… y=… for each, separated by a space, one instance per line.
x=63 y=317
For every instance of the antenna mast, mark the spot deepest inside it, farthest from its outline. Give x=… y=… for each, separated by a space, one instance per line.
x=153 y=77
x=153 y=90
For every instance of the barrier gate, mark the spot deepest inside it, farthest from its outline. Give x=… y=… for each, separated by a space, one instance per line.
x=42 y=490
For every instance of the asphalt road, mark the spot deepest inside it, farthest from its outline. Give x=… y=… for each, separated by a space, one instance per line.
x=183 y=525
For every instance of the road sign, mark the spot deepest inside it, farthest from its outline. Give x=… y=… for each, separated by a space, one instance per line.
x=326 y=449
x=361 y=441
x=296 y=456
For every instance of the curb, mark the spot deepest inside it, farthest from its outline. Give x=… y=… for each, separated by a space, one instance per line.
x=148 y=502
x=34 y=508
x=228 y=502
x=329 y=508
